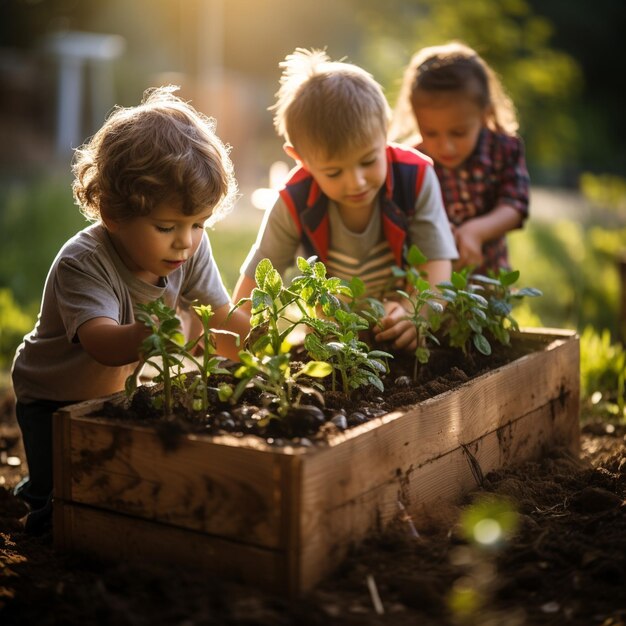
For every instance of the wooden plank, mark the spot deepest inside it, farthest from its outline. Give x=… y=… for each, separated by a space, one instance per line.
x=422 y=488
x=113 y=537
x=377 y=451
x=61 y=460
x=199 y=485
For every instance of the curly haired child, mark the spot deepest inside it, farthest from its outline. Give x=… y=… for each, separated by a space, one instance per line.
x=354 y=200
x=150 y=179
x=453 y=107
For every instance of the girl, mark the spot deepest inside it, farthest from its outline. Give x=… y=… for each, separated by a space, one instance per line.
x=452 y=107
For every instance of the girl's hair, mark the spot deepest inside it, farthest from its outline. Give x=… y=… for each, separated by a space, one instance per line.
x=327 y=106
x=452 y=67
x=160 y=150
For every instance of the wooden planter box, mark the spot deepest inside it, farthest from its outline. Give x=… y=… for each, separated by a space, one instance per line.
x=282 y=518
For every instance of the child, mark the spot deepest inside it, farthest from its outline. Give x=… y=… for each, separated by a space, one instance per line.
x=354 y=201
x=467 y=125
x=150 y=178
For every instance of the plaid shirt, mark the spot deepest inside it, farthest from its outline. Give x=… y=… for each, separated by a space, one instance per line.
x=494 y=174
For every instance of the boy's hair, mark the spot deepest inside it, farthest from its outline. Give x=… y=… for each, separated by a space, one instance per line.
x=327 y=106
x=452 y=67
x=160 y=150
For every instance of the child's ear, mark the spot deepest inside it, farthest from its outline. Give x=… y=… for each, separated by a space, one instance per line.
x=291 y=151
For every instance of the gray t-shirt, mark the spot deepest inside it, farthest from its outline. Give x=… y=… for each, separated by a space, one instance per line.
x=88 y=279
x=365 y=254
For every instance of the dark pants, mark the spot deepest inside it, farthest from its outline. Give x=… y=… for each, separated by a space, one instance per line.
x=35 y=421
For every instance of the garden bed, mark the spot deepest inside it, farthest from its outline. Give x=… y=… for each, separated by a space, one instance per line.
x=282 y=517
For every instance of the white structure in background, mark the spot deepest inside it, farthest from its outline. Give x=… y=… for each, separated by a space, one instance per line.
x=264 y=198
x=77 y=52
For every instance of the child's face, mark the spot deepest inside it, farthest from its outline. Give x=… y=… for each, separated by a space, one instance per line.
x=353 y=179
x=449 y=125
x=155 y=245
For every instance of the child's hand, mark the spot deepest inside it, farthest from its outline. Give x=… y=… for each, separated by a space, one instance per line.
x=469 y=243
x=396 y=328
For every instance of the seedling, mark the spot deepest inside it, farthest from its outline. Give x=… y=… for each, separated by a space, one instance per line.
x=465 y=315
x=316 y=290
x=164 y=349
x=337 y=342
x=372 y=309
x=274 y=374
x=501 y=297
x=269 y=324
x=423 y=304
x=266 y=363
x=210 y=363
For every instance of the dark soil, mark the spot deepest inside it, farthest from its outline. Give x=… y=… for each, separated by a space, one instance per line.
x=565 y=565
x=320 y=413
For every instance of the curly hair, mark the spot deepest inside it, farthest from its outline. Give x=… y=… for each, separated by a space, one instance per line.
x=327 y=106
x=448 y=68
x=161 y=150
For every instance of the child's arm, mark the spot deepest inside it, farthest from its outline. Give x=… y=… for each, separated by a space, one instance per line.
x=110 y=343
x=472 y=234
x=238 y=322
x=395 y=326
x=243 y=289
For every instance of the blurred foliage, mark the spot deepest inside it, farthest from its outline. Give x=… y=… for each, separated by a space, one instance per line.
x=37 y=215
x=602 y=374
x=559 y=60
x=604 y=190
x=575 y=268
x=14 y=324
x=230 y=247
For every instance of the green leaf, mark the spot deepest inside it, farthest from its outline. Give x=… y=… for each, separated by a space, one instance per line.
x=317 y=369
x=302 y=264
x=320 y=270
x=263 y=268
x=273 y=283
x=422 y=354
x=532 y=292
x=224 y=392
x=379 y=354
x=415 y=256
x=508 y=278
x=357 y=286
x=482 y=345
x=458 y=280
x=260 y=299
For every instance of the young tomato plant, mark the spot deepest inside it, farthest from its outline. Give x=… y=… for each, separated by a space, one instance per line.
x=270 y=301
x=423 y=305
x=266 y=364
x=273 y=374
x=315 y=290
x=465 y=314
x=337 y=342
x=164 y=349
x=209 y=362
x=372 y=309
x=501 y=297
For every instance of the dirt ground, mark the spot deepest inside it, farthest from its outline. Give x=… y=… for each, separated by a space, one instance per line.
x=565 y=565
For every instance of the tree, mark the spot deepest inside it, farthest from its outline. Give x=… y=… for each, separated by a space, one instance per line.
x=542 y=81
